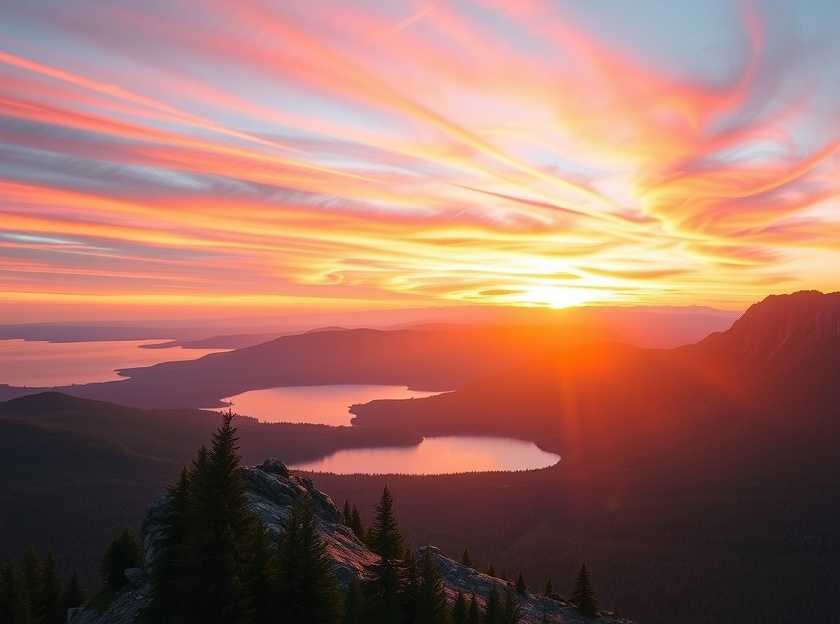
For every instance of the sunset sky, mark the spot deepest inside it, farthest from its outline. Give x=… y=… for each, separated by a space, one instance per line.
x=168 y=157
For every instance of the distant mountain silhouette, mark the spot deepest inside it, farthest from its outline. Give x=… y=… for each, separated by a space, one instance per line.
x=469 y=344
x=773 y=379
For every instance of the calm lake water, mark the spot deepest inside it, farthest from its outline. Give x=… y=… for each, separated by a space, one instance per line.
x=437 y=455
x=36 y=363
x=321 y=405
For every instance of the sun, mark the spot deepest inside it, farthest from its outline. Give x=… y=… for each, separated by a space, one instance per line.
x=557 y=296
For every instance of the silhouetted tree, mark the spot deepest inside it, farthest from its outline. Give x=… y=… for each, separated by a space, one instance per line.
x=209 y=541
x=73 y=596
x=459 y=610
x=383 y=595
x=172 y=565
x=121 y=554
x=221 y=532
x=583 y=596
x=346 y=515
x=31 y=585
x=261 y=574
x=356 y=524
x=491 y=570
x=354 y=608
x=431 y=598
x=307 y=585
x=49 y=598
x=549 y=589
x=474 y=612
x=521 y=587
x=465 y=558
x=493 y=607
x=386 y=540
x=511 y=612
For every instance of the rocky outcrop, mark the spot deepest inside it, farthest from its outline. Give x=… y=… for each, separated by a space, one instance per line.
x=271 y=492
x=535 y=608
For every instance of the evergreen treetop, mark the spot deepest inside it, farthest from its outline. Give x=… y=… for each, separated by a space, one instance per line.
x=521 y=587
x=346 y=515
x=583 y=596
x=307 y=585
x=386 y=540
x=431 y=597
x=49 y=598
x=121 y=554
x=73 y=596
x=356 y=524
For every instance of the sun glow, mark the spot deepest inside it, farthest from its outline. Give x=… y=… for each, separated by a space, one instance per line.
x=378 y=157
x=559 y=297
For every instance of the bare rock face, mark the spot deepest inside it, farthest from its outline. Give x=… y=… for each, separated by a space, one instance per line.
x=271 y=491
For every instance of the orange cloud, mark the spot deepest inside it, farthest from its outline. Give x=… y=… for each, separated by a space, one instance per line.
x=437 y=153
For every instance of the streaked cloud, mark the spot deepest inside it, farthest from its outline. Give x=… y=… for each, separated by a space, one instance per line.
x=269 y=155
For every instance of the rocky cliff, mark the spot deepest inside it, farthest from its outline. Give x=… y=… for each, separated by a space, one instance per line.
x=271 y=492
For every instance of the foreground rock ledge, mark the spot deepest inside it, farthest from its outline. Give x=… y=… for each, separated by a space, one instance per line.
x=271 y=492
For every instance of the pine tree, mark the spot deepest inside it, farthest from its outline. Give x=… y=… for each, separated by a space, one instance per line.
x=583 y=596
x=521 y=587
x=50 y=607
x=431 y=597
x=122 y=553
x=356 y=524
x=261 y=574
x=354 y=608
x=222 y=531
x=549 y=589
x=459 y=610
x=384 y=586
x=347 y=516
x=386 y=540
x=73 y=596
x=493 y=607
x=465 y=558
x=210 y=542
x=21 y=607
x=307 y=586
x=511 y=612
x=172 y=564
x=474 y=614
x=31 y=586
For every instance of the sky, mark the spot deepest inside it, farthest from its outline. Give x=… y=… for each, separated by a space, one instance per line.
x=184 y=157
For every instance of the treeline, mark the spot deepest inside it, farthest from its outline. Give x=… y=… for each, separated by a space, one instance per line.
x=218 y=564
x=32 y=592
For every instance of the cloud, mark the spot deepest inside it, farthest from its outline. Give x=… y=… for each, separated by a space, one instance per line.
x=502 y=152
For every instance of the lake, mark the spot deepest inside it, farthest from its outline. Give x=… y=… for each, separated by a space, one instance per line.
x=321 y=405
x=38 y=363
x=437 y=455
